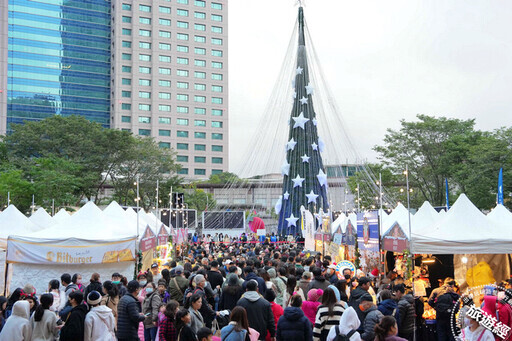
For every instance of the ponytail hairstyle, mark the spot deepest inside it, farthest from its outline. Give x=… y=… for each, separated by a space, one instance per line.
x=383 y=328
x=46 y=303
x=111 y=288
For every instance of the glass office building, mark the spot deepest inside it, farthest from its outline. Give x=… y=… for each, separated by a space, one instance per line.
x=58 y=59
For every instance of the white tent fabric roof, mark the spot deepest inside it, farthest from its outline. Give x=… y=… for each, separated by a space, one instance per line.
x=61 y=216
x=340 y=221
x=424 y=218
x=42 y=218
x=464 y=229
x=88 y=223
x=500 y=215
x=12 y=221
x=399 y=215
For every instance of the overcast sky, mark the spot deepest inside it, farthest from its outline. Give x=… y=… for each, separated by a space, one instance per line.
x=384 y=61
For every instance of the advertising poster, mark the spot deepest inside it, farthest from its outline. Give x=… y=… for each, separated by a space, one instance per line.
x=349 y=239
x=368 y=240
x=395 y=239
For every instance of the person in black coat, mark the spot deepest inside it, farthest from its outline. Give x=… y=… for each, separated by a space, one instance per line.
x=259 y=311
x=129 y=314
x=231 y=294
x=294 y=325
x=73 y=329
x=206 y=311
x=95 y=285
x=250 y=275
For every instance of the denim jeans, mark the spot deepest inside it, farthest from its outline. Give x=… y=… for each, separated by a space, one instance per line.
x=150 y=334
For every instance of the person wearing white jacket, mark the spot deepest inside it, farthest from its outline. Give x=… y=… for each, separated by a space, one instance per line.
x=349 y=322
x=99 y=321
x=17 y=327
x=44 y=321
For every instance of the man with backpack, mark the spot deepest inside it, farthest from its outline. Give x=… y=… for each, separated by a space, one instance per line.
x=443 y=300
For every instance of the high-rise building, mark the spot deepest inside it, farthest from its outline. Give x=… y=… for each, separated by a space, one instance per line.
x=169 y=79
x=54 y=59
x=157 y=68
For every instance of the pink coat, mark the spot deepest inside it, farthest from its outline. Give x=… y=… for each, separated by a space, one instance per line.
x=309 y=308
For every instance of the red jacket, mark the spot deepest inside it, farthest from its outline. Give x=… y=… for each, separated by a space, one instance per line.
x=309 y=308
x=502 y=312
x=278 y=311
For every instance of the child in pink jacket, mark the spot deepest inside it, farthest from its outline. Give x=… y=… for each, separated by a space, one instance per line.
x=310 y=306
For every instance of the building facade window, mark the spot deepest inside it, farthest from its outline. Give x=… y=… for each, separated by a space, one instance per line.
x=216 y=124
x=200 y=27
x=126 y=106
x=200 y=87
x=164 y=46
x=217 y=136
x=164 y=59
x=182 y=158
x=164 y=22
x=144 y=69
x=145 y=107
x=216 y=112
x=199 y=171
x=200 y=123
x=217 y=29
x=164 y=107
x=217 y=148
x=182 y=97
x=144 y=45
x=199 y=135
x=200 y=147
x=217 y=160
x=144 y=119
x=182 y=85
x=217 y=100
x=199 y=15
x=182 y=121
x=199 y=74
x=166 y=10
x=145 y=132
x=144 y=33
x=164 y=83
x=164 y=71
x=216 y=17
x=164 y=132
x=200 y=111
x=164 y=120
x=145 y=21
x=217 y=53
x=182 y=110
x=181 y=48
x=181 y=133
x=216 y=5
x=199 y=50
x=182 y=146
x=182 y=24
x=144 y=8
x=201 y=63
x=200 y=99
x=199 y=159
x=182 y=12
x=127 y=7
x=164 y=145
x=144 y=57
x=200 y=39
x=126 y=119
x=144 y=94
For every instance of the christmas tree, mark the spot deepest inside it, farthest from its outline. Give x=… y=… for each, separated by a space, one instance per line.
x=304 y=177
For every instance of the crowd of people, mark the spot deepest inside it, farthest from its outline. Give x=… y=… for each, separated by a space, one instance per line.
x=265 y=291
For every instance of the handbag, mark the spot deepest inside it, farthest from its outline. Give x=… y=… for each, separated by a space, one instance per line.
x=215 y=328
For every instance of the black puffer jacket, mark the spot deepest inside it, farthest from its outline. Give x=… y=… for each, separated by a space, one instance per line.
x=293 y=325
x=259 y=313
x=407 y=316
x=128 y=318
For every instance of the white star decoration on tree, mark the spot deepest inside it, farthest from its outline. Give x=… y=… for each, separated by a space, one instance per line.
x=300 y=121
x=322 y=178
x=305 y=158
x=298 y=71
x=292 y=221
x=314 y=121
x=286 y=195
x=297 y=182
x=303 y=100
x=291 y=144
x=309 y=89
x=285 y=168
x=314 y=146
x=311 y=197
x=295 y=94
x=279 y=204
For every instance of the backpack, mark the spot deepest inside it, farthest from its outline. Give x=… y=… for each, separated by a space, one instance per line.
x=445 y=304
x=342 y=337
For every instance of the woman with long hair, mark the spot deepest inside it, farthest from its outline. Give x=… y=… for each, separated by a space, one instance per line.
x=231 y=294
x=266 y=277
x=44 y=321
x=185 y=333
x=150 y=308
x=168 y=331
x=292 y=289
x=328 y=315
x=110 y=297
x=59 y=297
x=238 y=327
x=387 y=329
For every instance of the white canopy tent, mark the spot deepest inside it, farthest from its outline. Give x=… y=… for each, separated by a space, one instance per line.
x=61 y=216
x=463 y=230
x=42 y=218
x=425 y=217
x=500 y=215
x=86 y=242
x=339 y=222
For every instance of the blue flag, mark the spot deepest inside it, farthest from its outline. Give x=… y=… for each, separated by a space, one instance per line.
x=500 y=187
x=447 y=194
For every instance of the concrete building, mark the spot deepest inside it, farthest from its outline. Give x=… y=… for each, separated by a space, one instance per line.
x=154 y=67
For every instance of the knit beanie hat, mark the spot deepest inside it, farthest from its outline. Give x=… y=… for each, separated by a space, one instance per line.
x=94 y=298
x=315 y=294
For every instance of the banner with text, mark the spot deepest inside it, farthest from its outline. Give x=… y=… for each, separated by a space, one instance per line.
x=69 y=251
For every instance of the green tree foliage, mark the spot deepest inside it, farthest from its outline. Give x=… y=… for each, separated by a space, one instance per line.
x=70 y=158
x=439 y=148
x=198 y=199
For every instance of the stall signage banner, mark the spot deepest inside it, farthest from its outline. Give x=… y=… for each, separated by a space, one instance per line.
x=69 y=251
x=349 y=237
x=368 y=240
x=395 y=239
x=344 y=265
x=163 y=236
x=181 y=236
x=148 y=240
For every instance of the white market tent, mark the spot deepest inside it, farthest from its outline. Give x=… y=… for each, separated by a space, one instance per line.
x=339 y=222
x=425 y=217
x=42 y=218
x=400 y=216
x=463 y=230
x=86 y=242
x=500 y=215
x=61 y=216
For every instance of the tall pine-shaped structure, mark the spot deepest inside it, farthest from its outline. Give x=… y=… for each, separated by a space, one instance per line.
x=304 y=177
